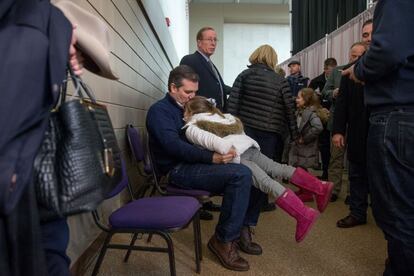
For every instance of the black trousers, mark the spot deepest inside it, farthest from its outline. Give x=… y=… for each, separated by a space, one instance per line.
x=21 y=251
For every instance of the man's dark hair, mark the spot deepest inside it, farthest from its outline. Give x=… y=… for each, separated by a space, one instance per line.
x=179 y=73
x=202 y=30
x=330 y=62
x=369 y=21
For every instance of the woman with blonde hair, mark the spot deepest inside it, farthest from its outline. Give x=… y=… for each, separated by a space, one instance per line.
x=262 y=100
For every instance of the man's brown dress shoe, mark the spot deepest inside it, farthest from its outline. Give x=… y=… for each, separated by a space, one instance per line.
x=349 y=221
x=246 y=244
x=228 y=254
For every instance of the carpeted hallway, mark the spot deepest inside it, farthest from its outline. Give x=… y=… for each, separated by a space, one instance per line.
x=327 y=250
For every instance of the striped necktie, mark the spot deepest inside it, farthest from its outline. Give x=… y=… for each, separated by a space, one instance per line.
x=216 y=74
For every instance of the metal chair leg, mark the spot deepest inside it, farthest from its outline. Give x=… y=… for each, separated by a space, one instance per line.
x=196 y=244
x=102 y=254
x=134 y=238
x=171 y=257
x=200 y=247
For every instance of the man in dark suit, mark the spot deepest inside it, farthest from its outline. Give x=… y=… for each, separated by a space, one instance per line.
x=351 y=118
x=318 y=84
x=210 y=85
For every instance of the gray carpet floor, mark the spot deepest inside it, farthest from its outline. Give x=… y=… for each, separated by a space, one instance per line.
x=327 y=250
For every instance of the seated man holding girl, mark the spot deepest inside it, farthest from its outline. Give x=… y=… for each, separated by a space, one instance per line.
x=189 y=166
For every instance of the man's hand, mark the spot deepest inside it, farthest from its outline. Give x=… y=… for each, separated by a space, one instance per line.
x=338 y=140
x=335 y=93
x=75 y=57
x=351 y=73
x=224 y=158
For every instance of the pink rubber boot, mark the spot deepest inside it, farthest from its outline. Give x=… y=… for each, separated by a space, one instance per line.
x=308 y=182
x=304 y=215
x=304 y=195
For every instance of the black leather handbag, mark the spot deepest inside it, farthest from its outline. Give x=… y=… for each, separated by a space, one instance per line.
x=79 y=161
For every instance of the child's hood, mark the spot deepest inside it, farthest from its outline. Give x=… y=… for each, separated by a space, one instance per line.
x=216 y=124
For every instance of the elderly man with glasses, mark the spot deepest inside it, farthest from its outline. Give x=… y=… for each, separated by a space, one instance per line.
x=210 y=85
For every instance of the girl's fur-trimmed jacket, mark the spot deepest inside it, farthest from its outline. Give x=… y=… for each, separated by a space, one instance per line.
x=215 y=133
x=309 y=127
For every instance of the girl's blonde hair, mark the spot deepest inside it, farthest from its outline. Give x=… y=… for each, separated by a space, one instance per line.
x=200 y=104
x=265 y=54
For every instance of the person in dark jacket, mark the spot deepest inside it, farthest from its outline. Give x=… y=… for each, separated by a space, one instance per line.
x=318 y=84
x=330 y=93
x=189 y=166
x=387 y=69
x=262 y=100
x=351 y=118
x=295 y=79
x=35 y=42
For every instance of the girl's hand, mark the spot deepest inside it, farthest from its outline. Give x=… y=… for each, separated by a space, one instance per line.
x=224 y=158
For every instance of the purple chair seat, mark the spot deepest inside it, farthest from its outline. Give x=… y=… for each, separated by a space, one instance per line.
x=155 y=213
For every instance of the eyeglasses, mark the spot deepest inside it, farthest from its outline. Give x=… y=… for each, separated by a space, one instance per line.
x=211 y=40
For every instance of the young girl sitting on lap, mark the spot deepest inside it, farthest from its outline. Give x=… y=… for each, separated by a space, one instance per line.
x=206 y=126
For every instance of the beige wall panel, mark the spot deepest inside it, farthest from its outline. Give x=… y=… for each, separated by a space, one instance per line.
x=116 y=20
x=141 y=18
x=120 y=116
x=108 y=91
x=135 y=24
x=125 y=45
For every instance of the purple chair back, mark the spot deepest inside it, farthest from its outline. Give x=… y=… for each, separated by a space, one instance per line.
x=122 y=184
x=134 y=140
x=137 y=147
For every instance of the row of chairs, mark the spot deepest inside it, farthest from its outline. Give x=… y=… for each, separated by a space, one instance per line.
x=154 y=215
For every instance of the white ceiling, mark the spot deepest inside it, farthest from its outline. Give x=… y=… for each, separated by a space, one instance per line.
x=242 y=1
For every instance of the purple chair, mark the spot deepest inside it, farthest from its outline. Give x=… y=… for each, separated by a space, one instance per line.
x=154 y=215
x=139 y=154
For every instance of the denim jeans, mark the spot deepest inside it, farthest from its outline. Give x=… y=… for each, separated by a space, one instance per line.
x=241 y=201
x=358 y=184
x=390 y=153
